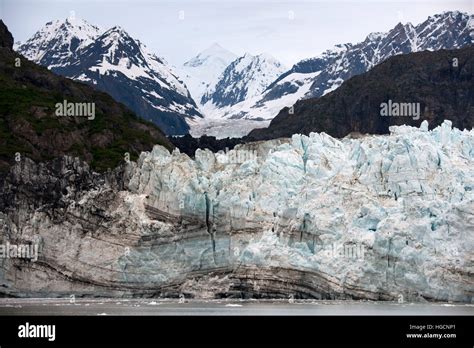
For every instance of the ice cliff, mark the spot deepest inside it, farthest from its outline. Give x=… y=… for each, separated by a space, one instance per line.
x=376 y=217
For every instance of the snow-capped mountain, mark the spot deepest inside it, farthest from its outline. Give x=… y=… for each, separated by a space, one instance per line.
x=201 y=73
x=58 y=41
x=117 y=64
x=318 y=76
x=246 y=77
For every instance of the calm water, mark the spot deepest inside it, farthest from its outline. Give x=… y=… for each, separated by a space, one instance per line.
x=224 y=307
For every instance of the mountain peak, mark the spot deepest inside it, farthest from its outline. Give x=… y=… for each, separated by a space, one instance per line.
x=113 y=122
x=6 y=38
x=215 y=46
x=214 y=51
x=375 y=36
x=246 y=58
x=71 y=20
x=72 y=23
x=453 y=15
x=266 y=56
x=57 y=40
x=364 y=94
x=244 y=78
x=201 y=72
x=116 y=32
x=399 y=26
x=116 y=29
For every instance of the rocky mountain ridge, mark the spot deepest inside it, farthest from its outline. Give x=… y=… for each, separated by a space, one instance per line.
x=114 y=62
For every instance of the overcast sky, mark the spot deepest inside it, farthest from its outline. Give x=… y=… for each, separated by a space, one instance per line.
x=177 y=30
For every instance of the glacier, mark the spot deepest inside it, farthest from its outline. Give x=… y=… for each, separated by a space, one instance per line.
x=256 y=221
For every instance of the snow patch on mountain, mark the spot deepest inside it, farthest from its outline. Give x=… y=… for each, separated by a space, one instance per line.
x=201 y=73
x=246 y=77
x=266 y=111
x=143 y=63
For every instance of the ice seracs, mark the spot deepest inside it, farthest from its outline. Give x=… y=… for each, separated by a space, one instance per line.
x=406 y=198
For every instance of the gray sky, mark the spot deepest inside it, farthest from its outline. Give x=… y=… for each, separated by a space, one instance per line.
x=177 y=30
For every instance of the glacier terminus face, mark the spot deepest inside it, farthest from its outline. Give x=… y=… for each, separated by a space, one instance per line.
x=377 y=217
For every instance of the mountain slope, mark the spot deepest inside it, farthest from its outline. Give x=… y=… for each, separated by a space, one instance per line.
x=201 y=73
x=318 y=76
x=30 y=127
x=444 y=92
x=115 y=63
x=246 y=77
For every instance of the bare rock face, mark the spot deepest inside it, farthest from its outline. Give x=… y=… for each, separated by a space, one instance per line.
x=379 y=217
x=6 y=38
